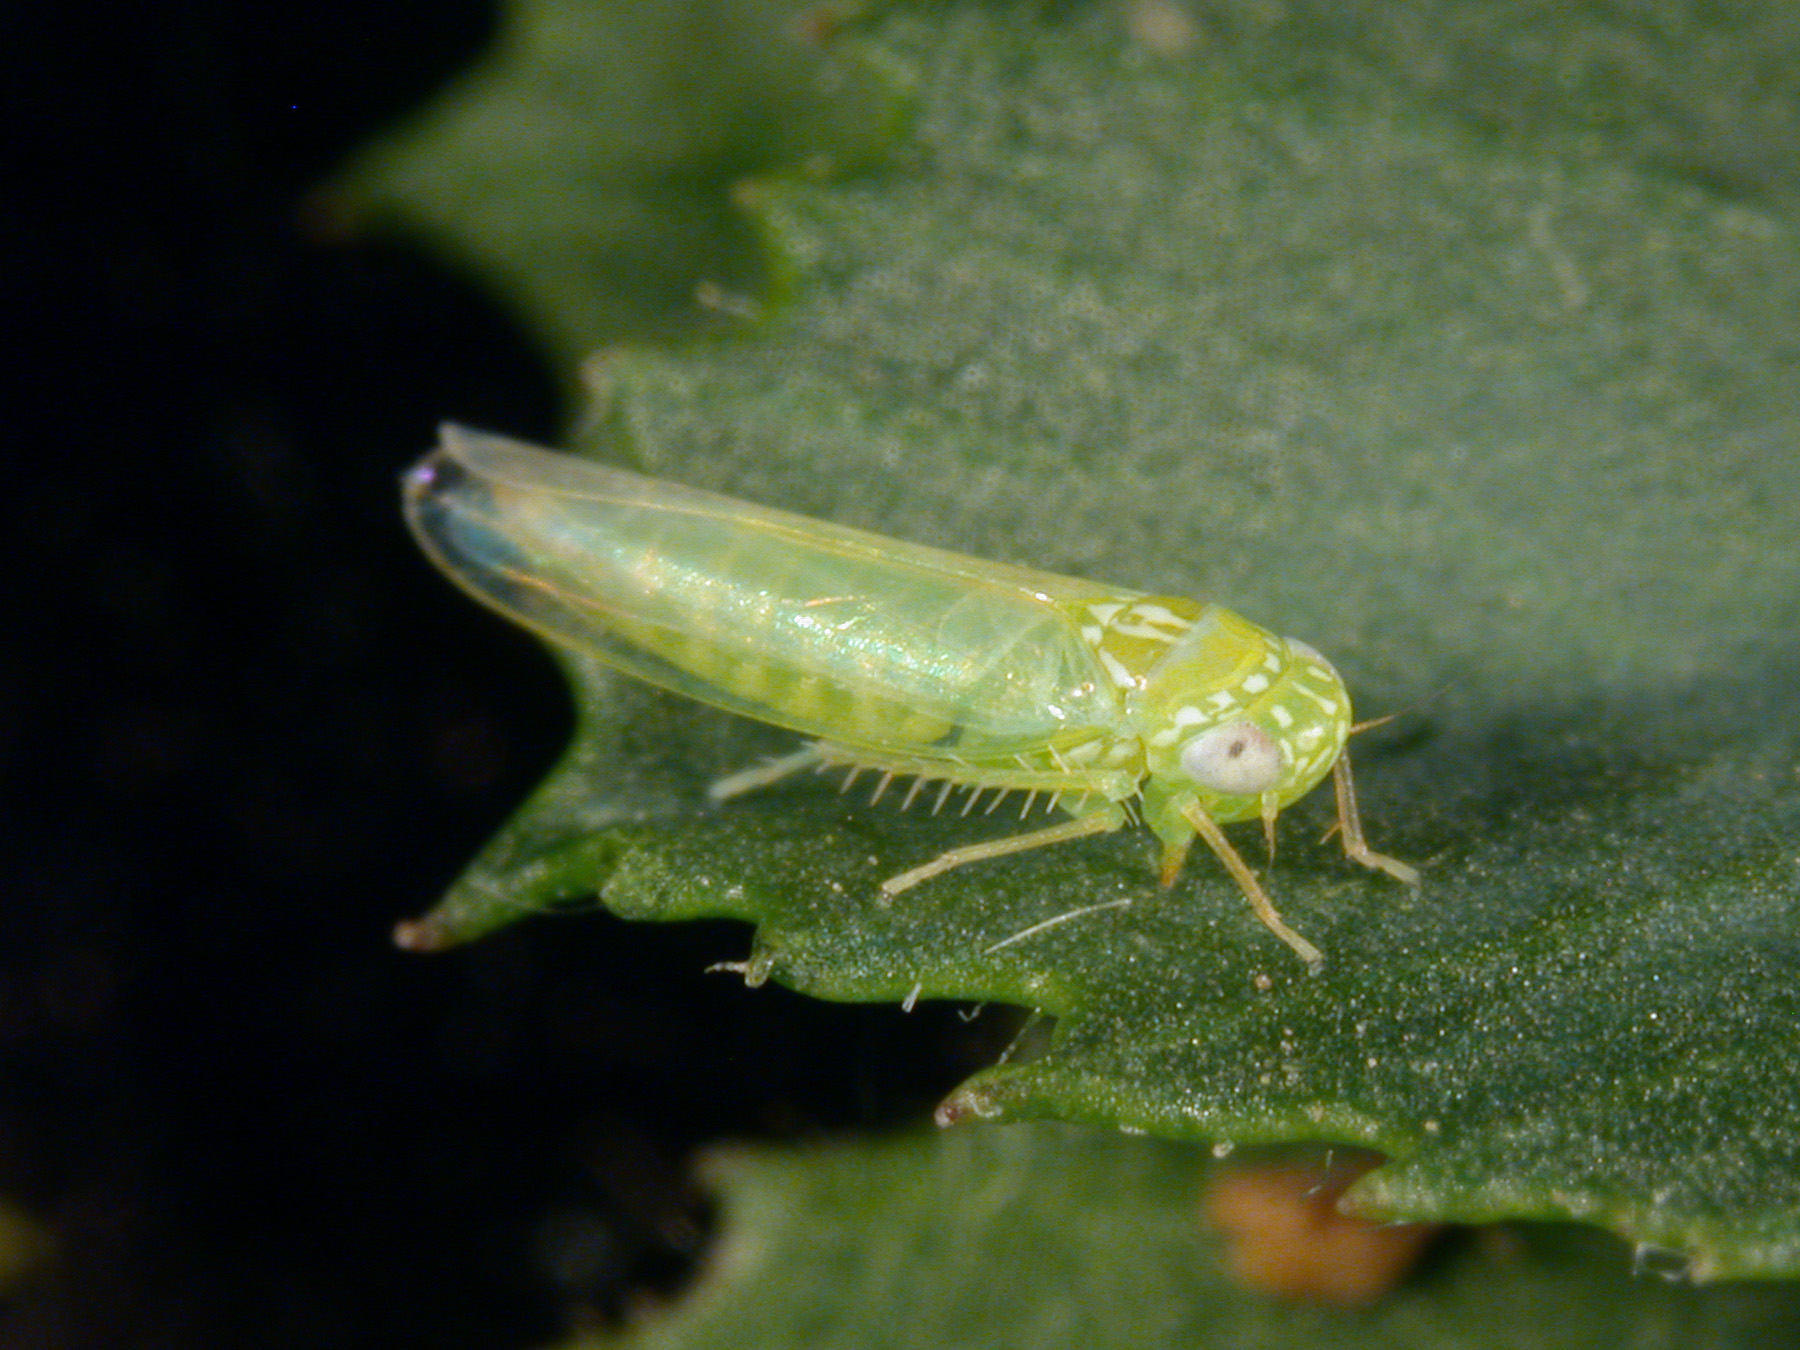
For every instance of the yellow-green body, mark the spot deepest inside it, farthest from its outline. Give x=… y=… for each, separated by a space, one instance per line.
x=893 y=657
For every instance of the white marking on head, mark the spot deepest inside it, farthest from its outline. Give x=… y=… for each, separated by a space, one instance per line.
x=1254 y=684
x=1282 y=716
x=1326 y=705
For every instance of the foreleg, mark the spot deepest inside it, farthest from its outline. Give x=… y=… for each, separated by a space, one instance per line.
x=1350 y=828
x=1214 y=835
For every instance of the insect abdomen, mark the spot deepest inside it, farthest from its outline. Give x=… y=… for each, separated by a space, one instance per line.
x=793 y=696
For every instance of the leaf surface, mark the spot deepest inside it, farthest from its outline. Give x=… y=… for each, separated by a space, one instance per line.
x=1487 y=395
x=1043 y=1238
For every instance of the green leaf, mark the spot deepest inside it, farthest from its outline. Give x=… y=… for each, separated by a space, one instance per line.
x=585 y=164
x=1497 y=411
x=1044 y=1239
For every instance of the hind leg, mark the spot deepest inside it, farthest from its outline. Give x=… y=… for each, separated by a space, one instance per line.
x=748 y=780
x=1103 y=821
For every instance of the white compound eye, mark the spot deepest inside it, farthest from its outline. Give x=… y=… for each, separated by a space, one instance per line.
x=1237 y=759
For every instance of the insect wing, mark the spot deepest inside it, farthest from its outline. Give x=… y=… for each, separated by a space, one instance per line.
x=834 y=632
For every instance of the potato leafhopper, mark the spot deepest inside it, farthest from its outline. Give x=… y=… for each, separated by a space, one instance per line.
x=906 y=661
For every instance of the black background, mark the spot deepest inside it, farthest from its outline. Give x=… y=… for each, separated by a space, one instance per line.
x=243 y=728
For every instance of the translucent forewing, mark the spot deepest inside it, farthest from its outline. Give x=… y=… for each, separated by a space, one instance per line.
x=833 y=632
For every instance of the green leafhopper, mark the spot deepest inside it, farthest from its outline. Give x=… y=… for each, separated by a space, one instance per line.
x=903 y=660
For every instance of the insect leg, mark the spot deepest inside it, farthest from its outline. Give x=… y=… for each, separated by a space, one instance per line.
x=1209 y=830
x=1350 y=826
x=1103 y=821
x=748 y=780
x=1173 y=856
x=943 y=792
